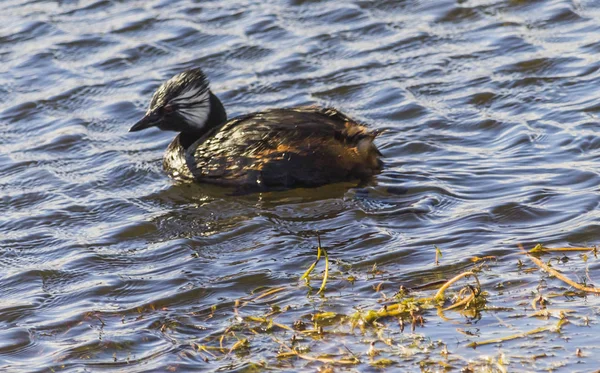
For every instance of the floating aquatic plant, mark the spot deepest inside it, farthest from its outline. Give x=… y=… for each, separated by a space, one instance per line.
x=328 y=338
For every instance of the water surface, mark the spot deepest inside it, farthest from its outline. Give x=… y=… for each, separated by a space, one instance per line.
x=491 y=115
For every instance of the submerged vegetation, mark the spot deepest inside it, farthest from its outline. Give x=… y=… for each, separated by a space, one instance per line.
x=465 y=323
x=273 y=329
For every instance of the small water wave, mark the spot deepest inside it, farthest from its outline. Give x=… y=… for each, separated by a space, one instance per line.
x=490 y=115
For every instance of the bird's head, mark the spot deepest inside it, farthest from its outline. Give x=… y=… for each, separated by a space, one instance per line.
x=184 y=103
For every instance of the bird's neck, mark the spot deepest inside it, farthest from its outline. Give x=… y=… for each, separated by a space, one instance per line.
x=216 y=117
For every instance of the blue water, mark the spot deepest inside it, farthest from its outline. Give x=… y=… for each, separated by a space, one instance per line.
x=491 y=115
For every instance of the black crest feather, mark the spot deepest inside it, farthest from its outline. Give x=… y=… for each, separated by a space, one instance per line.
x=175 y=89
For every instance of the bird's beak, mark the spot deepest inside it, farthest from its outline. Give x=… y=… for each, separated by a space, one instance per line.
x=149 y=120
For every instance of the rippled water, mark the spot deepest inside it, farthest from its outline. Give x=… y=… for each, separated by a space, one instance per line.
x=491 y=114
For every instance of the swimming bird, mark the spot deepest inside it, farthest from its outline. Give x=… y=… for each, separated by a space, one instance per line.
x=275 y=148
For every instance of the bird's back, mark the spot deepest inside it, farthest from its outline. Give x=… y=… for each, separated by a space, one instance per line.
x=285 y=148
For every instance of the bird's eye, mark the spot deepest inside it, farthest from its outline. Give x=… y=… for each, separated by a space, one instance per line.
x=168 y=108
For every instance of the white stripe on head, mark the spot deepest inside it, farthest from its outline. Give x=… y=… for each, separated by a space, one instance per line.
x=193 y=104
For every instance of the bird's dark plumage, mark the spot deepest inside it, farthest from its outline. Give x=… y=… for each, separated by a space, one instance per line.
x=278 y=148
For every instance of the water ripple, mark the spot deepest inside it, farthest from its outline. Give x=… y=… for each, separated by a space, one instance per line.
x=490 y=111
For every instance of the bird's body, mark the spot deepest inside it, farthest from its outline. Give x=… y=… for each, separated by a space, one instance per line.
x=278 y=148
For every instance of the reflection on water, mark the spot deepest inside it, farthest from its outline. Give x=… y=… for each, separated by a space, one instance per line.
x=490 y=109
